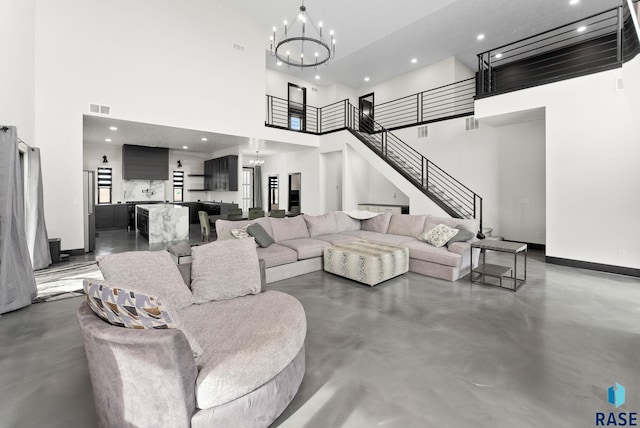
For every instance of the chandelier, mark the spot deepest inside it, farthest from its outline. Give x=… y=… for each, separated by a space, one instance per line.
x=295 y=42
x=257 y=161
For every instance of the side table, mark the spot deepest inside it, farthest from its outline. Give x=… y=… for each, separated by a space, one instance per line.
x=478 y=275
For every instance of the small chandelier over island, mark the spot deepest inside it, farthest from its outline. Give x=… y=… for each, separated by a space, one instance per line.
x=302 y=44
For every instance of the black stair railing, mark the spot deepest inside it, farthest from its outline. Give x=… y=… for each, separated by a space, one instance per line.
x=448 y=193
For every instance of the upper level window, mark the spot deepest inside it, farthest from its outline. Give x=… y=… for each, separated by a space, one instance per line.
x=104 y=185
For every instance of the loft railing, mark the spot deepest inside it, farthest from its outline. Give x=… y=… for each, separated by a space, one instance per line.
x=441 y=103
x=592 y=44
x=450 y=194
x=630 y=36
x=315 y=120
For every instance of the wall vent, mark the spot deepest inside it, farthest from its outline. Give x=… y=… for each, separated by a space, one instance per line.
x=100 y=109
x=314 y=89
x=472 y=123
x=619 y=84
x=423 y=131
x=238 y=47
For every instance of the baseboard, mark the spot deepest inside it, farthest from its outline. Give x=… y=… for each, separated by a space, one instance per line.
x=531 y=246
x=620 y=270
x=74 y=252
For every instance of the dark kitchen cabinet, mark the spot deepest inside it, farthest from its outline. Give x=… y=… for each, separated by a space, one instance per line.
x=111 y=216
x=221 y=174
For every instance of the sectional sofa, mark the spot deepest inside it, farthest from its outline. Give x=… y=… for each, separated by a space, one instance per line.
x=300 y=242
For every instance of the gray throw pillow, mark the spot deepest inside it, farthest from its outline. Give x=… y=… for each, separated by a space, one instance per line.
x=260 y=235
x=462 y=236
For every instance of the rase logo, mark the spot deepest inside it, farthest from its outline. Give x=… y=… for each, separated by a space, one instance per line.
x=616 y=397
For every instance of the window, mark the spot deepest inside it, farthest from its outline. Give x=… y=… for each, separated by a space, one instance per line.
x=104 y=185
x=247 y=188
x=273 y=193
x=178 y=186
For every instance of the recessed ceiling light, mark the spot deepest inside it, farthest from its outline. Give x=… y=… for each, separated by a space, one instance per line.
x=574 y=2
x=498 y=55
x=108 y=140
x=317 y=77
x=279 y=63
x=581 y=29
x=203 y=139
x=185 y=147
x=366 y=79
x=113 y=128
x=480 y=37
x=414 y=60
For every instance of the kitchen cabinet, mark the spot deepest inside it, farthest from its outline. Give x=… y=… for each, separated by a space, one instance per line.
x=221 y=174
x=111 y=216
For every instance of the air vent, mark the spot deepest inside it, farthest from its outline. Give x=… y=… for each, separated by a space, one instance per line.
x=423 y=131
x=314 y=89
x=238 y=47
x=619 y=84
x=100 y=109
x=472 y=123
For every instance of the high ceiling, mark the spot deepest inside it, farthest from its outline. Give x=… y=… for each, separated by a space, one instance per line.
x=373 y=38
x=379 y=38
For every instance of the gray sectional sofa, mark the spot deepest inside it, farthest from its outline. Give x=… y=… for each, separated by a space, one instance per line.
x=300 y=242
x=233 y=362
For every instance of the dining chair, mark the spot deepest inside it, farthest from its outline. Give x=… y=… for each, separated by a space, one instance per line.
x=205 y=227
x=277 y=213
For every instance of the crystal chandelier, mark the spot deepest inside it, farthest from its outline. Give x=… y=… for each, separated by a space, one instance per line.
x=257 y=161
x=295 y=42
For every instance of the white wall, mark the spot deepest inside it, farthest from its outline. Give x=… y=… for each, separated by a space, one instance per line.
x=482 y=159
x=152 y=61
x=17 y=103
x=277 y=84
x=306 y=162
x=592 y=166
x=431 y=76
x=331 y=181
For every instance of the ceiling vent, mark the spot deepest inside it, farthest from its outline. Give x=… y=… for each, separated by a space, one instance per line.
x=100 y=109
x=472 y=123
x=423 y=131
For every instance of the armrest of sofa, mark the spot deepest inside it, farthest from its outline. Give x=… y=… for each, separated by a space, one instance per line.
x=464 y=249
x=139 y=377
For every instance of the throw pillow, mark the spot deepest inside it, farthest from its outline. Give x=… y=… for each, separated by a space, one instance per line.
x=152 y=272
x=321 y=224
x=225 y=269
x=131 y=309
x=462 y=236
x=439 y=235
x=260 y=235
x=240 y=233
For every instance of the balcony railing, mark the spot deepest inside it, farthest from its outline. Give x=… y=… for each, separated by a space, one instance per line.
x=441 y=103
x=595 y=43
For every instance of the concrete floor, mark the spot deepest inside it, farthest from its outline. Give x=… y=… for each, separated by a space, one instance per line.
x=411 y=352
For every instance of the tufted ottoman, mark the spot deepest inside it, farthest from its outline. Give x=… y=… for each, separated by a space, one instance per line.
x=367 y=262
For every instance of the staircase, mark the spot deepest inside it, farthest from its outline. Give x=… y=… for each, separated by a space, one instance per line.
x=453 y=197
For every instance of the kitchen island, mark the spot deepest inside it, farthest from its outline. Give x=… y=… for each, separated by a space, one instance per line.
x=163 y=222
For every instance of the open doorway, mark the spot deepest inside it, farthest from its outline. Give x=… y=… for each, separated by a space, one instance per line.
x=274 y=197
x=366 y=113
x=297 y=107
x=295 y=190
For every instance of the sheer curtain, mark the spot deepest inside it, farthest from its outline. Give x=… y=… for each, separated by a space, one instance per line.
x=37 y=238
x=17 y=283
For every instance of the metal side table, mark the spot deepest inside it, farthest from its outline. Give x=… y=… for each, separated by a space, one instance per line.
x=508 y=273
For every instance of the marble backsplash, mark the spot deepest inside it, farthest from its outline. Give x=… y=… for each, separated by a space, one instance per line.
x=143 y=190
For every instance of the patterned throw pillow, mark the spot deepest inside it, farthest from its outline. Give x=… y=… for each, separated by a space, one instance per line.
x=240 y=233
x=439 y=235
x=130 y=309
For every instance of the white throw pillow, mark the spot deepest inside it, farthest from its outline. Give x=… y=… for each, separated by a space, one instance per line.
x=439 y=235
